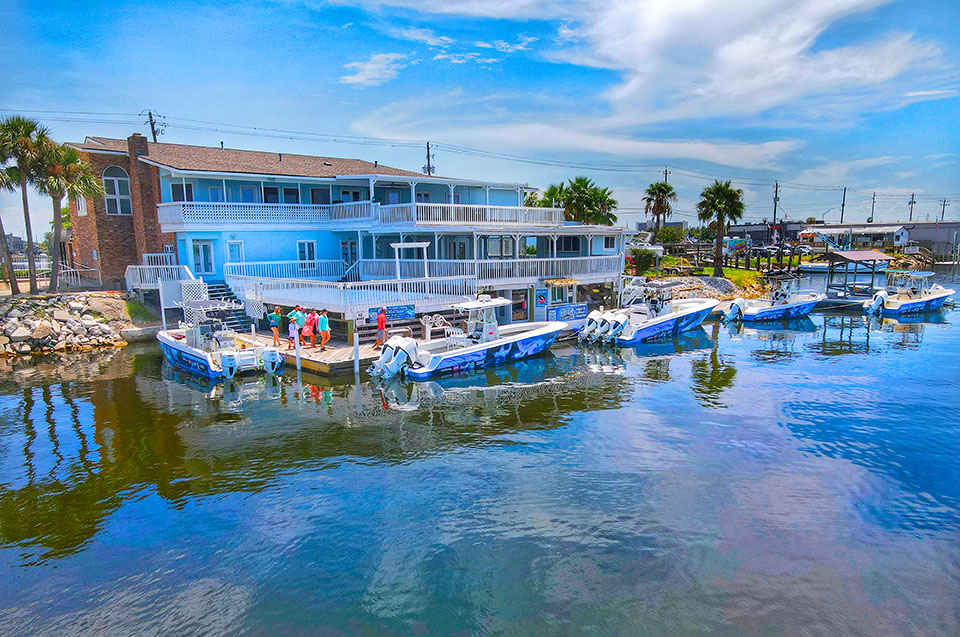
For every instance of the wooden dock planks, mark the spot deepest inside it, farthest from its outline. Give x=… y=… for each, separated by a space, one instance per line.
x=337 y=359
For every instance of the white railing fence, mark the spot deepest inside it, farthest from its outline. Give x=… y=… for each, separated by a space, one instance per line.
x=74 y=275
x=222 y=213
x=147 y=277
x=321 y=269
x=488 y=271
x=159 y=258
x=460 y=214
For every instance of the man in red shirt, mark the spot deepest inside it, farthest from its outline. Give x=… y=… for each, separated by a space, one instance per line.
x=381 y=327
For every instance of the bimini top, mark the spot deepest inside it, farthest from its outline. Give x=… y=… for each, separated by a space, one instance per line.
x=482 y=301
x=209 y=305
x=910 y=273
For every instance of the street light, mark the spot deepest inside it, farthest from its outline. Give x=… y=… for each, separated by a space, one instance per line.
x=825 y=212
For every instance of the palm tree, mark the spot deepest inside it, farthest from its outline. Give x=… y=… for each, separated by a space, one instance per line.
x=62 y=173
x=20 y=141
x=7 y=184
x=658 y=203
x=720 y=204
x=578 y=205
x=602 y=206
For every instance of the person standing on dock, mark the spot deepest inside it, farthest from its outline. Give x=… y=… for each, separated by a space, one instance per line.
x=323 y=326
x=297 y=320
x=310 y=328
x=275 y=318
x=381 y=327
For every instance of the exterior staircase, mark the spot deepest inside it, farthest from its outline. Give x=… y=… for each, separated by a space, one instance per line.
x=236 y=320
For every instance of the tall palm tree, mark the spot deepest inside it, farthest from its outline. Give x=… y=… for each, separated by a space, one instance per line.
x=578 y=203
x=20 y=141
x=602 y=206
x=658 y=200
x=720 y=205
x=63 y=173
x=7 y=184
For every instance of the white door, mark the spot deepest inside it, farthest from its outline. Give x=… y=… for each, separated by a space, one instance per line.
x=203 y=257
x=234 y=251
x=348 y=251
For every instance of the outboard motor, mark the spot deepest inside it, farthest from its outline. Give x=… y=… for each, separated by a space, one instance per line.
x=398 y=353
x=593 y=322
x=735 y=311
x=617 y=322
x=229 y=363
x=875 y=305
x=604 y=325
x=272 y=360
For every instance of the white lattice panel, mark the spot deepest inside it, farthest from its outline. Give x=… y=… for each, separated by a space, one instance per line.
x=193 y=291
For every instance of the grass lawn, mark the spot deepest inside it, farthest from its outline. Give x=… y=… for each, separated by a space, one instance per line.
x=740 y=278
x=139 y=312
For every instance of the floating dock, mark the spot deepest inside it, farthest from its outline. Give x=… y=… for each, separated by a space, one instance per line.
x=336 y=360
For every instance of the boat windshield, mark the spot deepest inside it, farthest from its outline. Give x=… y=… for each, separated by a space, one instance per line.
x=907 y=282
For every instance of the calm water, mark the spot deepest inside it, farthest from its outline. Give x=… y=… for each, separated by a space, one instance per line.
x=798 y=479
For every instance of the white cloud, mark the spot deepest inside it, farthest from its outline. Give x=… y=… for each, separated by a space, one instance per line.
x=380 y=68
x=417 y=34
x=835 y=173
x=463 y=58
x=522 y=44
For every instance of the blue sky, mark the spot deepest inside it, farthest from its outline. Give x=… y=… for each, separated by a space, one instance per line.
x=817 y=94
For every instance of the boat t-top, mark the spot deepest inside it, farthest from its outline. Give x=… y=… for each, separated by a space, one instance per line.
x=479 y=343
x=785 y=301
x=653 y=309
x=907 y=292
x=202 y=345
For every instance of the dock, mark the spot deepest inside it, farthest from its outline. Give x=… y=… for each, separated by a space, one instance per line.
x=336 y=360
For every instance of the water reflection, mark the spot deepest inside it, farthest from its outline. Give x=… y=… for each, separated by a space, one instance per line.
x=712 y=374
x=846 y=333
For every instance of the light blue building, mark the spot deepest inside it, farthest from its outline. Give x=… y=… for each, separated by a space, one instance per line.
x=351 y=235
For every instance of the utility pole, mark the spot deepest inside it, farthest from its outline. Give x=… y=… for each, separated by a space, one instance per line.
x=776 y=198
x=873 y=205
x=843 y=204
x=429 y=168
x=153 y=126
x=943 y=209
x=665 y=173
x=913 y=200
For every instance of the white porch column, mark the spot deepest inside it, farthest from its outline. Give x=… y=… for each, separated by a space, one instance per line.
x=372 y=182
x=451 y=187
x=486 y=195
x=426 y=266
x=519 y=196
x=224 y=182
x=413 y=193
x=396 y=259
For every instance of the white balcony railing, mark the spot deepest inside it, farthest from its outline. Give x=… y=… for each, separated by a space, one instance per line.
x=322 y=270
x=223 y=213
x=468 y=214
x=494 y=271
x=148 y=277
x=159 y=258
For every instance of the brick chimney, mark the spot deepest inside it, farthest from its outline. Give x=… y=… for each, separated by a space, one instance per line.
x=137 y=145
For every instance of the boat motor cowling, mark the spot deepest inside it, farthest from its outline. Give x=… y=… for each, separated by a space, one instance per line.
x=592 y=323
x=617 y=322
x=604 y=325
x=876 y=304
x=272 y=360
x=229 y=364
x=398 y=353
x=736 y=309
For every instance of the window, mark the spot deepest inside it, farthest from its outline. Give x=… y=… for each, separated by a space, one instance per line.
x=609 y=243
x=291 y=195
x=168 y=248
x=568 y=244
x=320 y=196
x=177 y=190
x=248 y=194
x=116 y=188
x=306 y=250
x=271 y=194
x=558 y=294
x=500 y=246
x=350 y=195
x=217 y=193
x=393 y=197
x=423 y=197
x=81 y=206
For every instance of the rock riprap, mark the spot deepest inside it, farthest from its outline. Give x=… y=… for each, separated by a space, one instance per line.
x=62 y=323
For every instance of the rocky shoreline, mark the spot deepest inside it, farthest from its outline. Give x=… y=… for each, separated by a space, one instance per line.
x=55 y=323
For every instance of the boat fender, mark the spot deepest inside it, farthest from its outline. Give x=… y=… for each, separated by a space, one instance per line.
x=736 y=309
x=272 y=360
x=229 y=364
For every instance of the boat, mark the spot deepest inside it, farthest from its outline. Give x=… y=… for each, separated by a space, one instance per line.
x=203 y=346
x=482 y=343
x=907 y=292
x=785 y=301
x=654 y=311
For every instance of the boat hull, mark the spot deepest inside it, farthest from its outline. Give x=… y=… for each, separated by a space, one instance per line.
x=667 y=326
x=515 y=348
x=187 y=358
x=794 y=310
x=929 y=304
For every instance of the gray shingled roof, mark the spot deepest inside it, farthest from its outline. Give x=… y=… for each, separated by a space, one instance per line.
x=186 y=157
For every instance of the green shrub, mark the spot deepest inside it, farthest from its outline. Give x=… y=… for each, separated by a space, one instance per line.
x=643 y=260
x=138 y=311
x=671 y=234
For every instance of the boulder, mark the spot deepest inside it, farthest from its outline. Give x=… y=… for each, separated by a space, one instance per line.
x=135 y=334
x=21 y=348
x=15 y=313
x=112 y=309
x=10 y=327
x=61 y=315
x=60 y=346
x=75 y=306
x=42 y=331
x=4 y=340
x=20 y=335
x=88 y=323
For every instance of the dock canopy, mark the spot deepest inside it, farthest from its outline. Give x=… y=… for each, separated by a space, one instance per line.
x=560 y=283
x=858 y=256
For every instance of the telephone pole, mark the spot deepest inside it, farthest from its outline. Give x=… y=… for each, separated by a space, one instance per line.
x=943 y=209
x=843 y=204
x=429 y=168
x=665 y=173
x=913 y=200
x=873 y=205
x=153 y=126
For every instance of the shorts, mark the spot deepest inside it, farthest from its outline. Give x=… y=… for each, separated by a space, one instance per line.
x=381 y=334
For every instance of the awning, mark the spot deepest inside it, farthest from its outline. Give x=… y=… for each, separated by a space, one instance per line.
x=854 y=256
x=560 y=283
